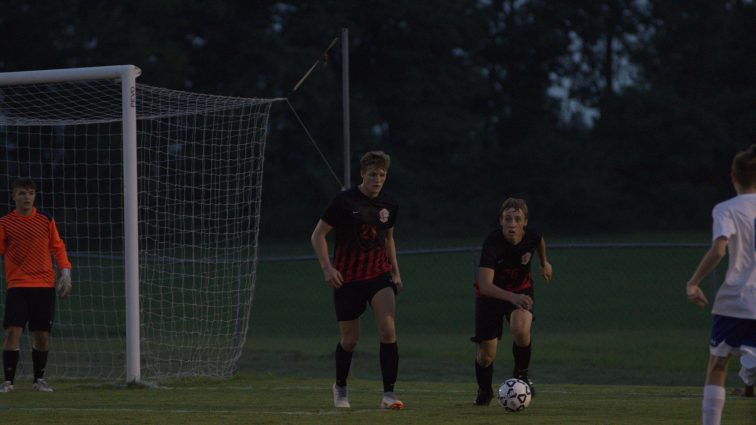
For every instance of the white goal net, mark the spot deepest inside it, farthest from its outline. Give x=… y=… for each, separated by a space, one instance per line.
x=200 y=169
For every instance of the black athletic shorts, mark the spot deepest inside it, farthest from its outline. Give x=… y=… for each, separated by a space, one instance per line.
x=35 y=306
x=490 y=314
x=352 y=298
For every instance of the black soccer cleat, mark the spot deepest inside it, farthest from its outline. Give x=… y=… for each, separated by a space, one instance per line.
x=483 y=398
x=523 y=376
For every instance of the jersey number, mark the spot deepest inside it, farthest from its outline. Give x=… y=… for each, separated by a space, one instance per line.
x=368 y=232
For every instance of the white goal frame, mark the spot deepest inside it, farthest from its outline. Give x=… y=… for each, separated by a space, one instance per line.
x=127 y=74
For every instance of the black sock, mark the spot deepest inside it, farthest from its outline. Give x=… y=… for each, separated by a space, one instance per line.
x=343 y=364
x=484 y=376
x=521 y=360
x=39 y=360
x=10 y=362
x=389 y=357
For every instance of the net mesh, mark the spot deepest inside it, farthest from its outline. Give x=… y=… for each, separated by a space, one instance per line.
x=200 y=163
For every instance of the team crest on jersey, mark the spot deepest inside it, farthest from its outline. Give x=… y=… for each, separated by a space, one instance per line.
x=526 y=258
x=383 y=215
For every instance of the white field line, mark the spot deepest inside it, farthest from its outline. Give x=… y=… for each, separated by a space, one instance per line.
x=191 y=412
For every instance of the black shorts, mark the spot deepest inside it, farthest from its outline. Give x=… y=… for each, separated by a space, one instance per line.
x=33 y=305
x=352 y=298
x=490 y=314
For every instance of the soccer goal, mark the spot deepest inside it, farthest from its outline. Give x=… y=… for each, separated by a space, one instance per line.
x=157 y=194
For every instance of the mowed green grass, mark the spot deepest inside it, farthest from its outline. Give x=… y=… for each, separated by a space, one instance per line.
x=610 y=316
x=280 y=400
x=615 y=342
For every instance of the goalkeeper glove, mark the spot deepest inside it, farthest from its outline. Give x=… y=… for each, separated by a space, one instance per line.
x=63 y=285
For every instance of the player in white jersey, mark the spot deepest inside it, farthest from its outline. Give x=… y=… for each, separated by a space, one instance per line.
x=734 y=312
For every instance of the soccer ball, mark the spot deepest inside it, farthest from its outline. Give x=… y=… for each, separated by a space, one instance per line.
x=514 y=395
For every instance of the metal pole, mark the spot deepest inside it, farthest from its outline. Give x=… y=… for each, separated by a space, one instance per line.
x=345 y=102
x=130 y=224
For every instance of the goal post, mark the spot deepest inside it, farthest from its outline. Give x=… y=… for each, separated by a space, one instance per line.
x=185 y=223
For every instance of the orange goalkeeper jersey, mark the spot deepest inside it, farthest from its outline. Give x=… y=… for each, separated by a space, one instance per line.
x=28 y=243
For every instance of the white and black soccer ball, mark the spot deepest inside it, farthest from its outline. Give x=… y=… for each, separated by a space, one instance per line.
x=514 y=395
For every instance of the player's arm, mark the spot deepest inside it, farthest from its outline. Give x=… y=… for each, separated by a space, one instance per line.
x=319 y=243
x=488 y=289
x=391 y=251
x=58 y=251
x=707 y=265
x=545 y=265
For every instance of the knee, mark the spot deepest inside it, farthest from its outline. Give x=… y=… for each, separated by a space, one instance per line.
x=485 y=360
x=485 y=357
x=387 y=330
x=719 y=364
x=349 y=343
x=41 y=341
x=521 y=337
x=387 y=333
x=12 y=338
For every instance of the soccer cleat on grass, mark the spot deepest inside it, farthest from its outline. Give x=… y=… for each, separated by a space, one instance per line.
x=746 y=391
x=523 y=375
x=41 y=385
x=340 y=396
x=6 y=387
x=390 y=402
x=483 y=398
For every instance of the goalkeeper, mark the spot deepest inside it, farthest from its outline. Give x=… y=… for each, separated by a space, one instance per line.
x=28 y=240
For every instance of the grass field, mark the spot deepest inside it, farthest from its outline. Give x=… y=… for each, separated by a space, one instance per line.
x=280 y=400
x=610 y=316
x=615 y=342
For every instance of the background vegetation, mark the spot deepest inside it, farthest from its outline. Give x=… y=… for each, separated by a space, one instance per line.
x=607 y=116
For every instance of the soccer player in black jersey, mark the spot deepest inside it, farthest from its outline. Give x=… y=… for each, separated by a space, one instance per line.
x=364 y=271
x=504 y=289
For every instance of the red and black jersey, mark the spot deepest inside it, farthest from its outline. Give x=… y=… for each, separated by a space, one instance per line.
x=510 y=263
x=28 y=243
x=360 y=224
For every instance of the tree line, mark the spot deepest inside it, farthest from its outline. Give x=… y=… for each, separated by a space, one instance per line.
x=606 y=115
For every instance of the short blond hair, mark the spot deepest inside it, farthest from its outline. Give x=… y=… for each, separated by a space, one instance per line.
x=516 y=204
x=375 y=159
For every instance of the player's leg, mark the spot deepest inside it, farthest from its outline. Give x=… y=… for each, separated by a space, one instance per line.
x=15 y=318
x=726 y=335
x=520 y=324
x=40 y=348
x=485 y=353
x=349 y=307
x=349 y=334
x=489 y=318
x=10 y=356
x=42 y=311
x=383 y=304
x=714 y=391
x=748 y=368
x=748 y=358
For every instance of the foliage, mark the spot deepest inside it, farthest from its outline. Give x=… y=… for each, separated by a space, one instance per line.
x=614 y=115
